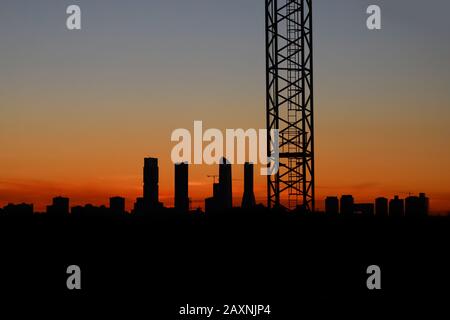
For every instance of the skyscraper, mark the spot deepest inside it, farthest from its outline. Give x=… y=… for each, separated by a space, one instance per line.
x=248 y=199
x=181 y=187
x=225 y=184
x=151 y=180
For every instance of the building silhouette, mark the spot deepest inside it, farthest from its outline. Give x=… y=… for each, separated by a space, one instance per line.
x=138 y=206
x=332 y=205
x=381 y=207
x=181 y=187
x=117 y=205
x=18 y=210
x=225 y=184
x=396 y=207
x=424 y=203
x=347 y=205
x=248 y=199
x=90 y=211
x=59 y=207
x=365 y=209
x=416 y=206
x=213 y=204
x=151 y=184
x=222 y=198
x=412 y=206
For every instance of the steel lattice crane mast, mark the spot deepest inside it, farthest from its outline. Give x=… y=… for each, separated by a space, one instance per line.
x=289 y=81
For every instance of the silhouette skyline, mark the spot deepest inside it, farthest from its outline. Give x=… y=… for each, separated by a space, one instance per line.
x=221 y=200
x=87 y=179
x=80 y=110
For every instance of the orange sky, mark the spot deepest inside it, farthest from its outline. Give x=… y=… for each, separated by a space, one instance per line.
x=80 y=110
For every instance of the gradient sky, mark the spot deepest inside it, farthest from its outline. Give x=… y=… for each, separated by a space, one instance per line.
x=79 y=110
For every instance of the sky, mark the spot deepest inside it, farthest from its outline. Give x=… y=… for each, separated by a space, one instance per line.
x=79 y=110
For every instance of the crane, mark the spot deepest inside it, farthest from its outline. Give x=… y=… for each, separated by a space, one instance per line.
x=290 y=102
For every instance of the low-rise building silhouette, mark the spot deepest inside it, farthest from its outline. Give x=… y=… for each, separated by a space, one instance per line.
x=381 y=207
x=365 y=209
x=416 y=206
x=90 y=211
x=117 y=205
x=18 y=210
x=59 y=207
x=412 y=206
x=424 y=203
x=332 y=205
x=213 y=203
x=396 y=207
x=222 y=198
x=347 y=205
x=138 y=207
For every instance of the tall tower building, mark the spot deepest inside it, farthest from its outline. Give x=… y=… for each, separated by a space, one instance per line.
x=181 y=187
x=248 y=200
x=225 y=184
x=151 y=183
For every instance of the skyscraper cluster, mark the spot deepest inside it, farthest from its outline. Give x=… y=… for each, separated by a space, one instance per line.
x=222 y=198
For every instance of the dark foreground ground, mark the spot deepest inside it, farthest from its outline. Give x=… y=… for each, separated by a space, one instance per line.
x=153 y=266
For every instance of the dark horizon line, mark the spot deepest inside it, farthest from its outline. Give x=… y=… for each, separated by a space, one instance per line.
x=343 y=205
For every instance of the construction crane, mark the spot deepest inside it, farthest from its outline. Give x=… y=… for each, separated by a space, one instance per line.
x=290 y=102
